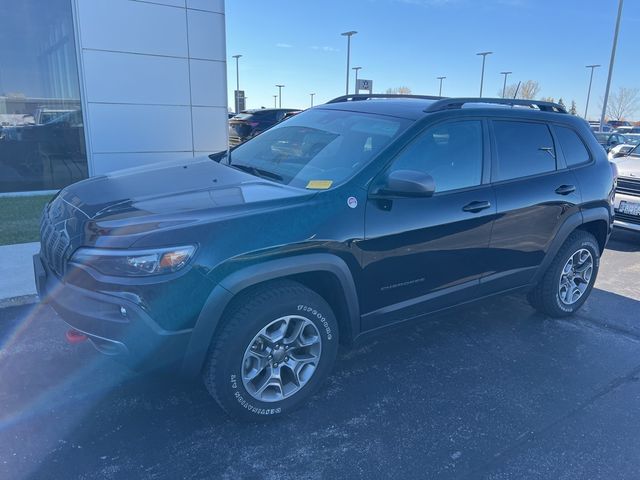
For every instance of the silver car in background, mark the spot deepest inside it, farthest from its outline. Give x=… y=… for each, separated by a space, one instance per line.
x=627 y=200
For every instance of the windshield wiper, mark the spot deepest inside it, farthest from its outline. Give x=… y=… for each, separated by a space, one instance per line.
x=258 y=172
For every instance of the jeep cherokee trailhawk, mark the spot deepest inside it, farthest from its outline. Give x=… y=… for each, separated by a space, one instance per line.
x=250 y=266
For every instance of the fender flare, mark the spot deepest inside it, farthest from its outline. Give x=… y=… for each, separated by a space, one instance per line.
x=234 y=283
x=569 y=225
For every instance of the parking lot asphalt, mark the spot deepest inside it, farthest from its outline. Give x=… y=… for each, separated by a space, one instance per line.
x=492 y=390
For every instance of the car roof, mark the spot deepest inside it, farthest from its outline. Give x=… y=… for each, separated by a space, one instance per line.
x=415 y=108
x=409 y=108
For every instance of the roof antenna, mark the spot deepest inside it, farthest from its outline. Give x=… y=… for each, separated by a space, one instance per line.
x=517 y=88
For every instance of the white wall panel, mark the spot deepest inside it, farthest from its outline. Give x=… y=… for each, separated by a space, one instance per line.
x=208 y=134
x=137 y=27
x=128 y=78
x=139 y=128
x=210 y=5
x=206 y=79
x=206 y=35
x=153 y=79
x=109 y=162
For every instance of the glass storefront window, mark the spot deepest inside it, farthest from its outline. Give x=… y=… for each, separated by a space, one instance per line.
x=42 y=144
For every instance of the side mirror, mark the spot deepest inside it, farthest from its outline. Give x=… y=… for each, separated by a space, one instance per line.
x=407 y=183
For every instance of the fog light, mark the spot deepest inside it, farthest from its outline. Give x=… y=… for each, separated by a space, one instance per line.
x=123 y=311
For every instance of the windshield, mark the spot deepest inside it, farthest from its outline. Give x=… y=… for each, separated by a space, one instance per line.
x=317 y=148
x=632 y=139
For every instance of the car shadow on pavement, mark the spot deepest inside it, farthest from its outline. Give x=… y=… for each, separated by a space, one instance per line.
x=624 y=241
x=457 y=388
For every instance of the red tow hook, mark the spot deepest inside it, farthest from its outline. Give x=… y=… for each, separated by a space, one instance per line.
x=74 y=336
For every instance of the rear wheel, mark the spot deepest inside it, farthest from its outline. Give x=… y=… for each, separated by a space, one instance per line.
x=569 y=279
x=278 y=344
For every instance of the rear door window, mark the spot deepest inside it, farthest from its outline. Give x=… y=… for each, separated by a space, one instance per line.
x=575 y=153
x=522 y=149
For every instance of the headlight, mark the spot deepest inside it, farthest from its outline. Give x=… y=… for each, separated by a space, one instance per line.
x=136 y=263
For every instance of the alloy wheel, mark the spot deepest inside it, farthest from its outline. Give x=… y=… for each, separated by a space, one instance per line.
x=281 y=358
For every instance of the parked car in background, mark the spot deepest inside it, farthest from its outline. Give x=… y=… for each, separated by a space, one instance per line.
x=609 y=140
x=627 y=200
x=618 y=123
x=628 y=130
x=595 y=126
x=631 y=140
x=250 y=123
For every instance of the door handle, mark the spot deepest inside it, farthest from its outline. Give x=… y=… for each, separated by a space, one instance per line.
x=475 y=207
x=565 y=189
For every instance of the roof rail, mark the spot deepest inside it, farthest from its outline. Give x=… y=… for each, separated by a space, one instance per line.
x=452 y=103
x=367 y=96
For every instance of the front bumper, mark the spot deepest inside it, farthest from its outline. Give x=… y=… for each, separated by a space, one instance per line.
x=116 y=326
x=622 y=220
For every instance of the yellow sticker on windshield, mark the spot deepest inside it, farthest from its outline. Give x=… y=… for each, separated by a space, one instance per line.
x=319 y=184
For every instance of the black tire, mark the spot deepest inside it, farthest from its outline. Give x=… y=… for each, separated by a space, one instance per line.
x=545 y=297
x=252 y=311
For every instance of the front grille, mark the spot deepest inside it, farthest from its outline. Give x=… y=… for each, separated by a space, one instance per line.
x=625 y=217
x=54 y=244
x=628 y=186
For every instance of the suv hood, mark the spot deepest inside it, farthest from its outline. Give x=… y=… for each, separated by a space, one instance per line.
x=170 y=188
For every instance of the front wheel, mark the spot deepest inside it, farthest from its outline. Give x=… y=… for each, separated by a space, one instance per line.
x=278 y=344
x=569 y=280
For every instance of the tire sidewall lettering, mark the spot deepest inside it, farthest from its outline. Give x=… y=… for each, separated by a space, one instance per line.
x=237 y=394
x=318 y=316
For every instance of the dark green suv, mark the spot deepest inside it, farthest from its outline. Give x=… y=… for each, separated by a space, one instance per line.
x=250 y=266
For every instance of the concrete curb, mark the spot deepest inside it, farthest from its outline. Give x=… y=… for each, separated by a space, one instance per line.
x=18 y=301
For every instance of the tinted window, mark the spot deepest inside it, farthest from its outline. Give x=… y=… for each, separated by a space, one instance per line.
x=451 y=153
x=574 y=150
x=523 y=149
x=266 y=116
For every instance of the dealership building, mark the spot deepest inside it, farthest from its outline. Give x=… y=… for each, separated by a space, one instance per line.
x=92 y=86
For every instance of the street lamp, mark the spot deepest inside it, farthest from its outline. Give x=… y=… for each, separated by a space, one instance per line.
x=441 y=79
x=312 y=95
x=348 y=35
x=504 y=86
x=237 y=100
x=484 y=58
x=355 y=90
x=280 y=87
x=592 y=67
x=611 y=62
x=275 y=101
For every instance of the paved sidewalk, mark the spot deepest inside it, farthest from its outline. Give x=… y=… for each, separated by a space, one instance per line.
x=17 y=284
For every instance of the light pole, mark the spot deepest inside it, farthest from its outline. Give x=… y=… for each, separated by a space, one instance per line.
x=355 y=89
x=441 y=79
x=504 y=85
x=237 y=102
x=484 y=58
x=280 y=87
x=611 y=62
x=275 y=101
x=348 y=35
x=312 y=95
x=592 y=67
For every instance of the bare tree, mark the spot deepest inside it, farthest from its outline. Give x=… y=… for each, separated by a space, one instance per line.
x=399 y=91
x=528 y=90
x=623 y=103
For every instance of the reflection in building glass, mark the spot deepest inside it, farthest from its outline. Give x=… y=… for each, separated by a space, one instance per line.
x=42 y=144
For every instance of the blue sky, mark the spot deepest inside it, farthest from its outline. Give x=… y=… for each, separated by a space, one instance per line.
x=410 y=42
